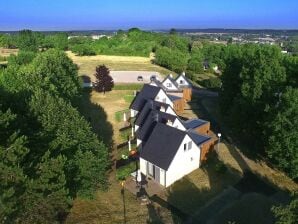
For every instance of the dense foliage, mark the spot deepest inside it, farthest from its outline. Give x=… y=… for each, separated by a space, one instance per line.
x=48 y=153
x=287 y=214
x=259 y=99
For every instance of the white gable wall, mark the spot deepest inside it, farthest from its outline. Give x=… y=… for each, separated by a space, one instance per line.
x=133 y=113
x=169 y=85
x=177 y=124
x=183 y=79
x=184 y=162
x=163 y=97
x=170 y=110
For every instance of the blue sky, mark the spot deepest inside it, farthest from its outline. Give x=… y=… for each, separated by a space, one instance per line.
x=153 y=14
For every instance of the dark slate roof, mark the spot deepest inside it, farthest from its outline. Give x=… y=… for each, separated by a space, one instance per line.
x=194 y=123
x=162 y=145
x=173 y=98
x=148 y=92
x=172 y=80
x=150 y=105
x=158 y=83
x=197 y=138
x=151 y=120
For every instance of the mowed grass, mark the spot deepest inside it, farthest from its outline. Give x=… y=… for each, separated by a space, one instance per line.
x=87 y=64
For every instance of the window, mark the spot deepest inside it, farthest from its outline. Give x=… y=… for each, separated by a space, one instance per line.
x=164 y=100
x=185 y=146
x=150 y=169
x=189 y=145
x=181 y=82
x=169 y=85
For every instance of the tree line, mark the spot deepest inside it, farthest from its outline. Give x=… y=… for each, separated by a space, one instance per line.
x=48 y=152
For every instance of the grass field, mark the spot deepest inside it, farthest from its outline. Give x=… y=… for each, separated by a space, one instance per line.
x=87 y=64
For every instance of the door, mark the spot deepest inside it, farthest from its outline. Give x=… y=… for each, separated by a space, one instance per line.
x=150 y=170
x=157 y=174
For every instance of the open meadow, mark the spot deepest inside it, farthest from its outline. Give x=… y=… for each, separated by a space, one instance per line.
x=87 y=64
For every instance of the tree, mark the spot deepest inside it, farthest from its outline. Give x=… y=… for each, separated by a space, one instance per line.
x=27 y=41
x=195 y=64
x=287 y=214
x=172 y=59
x=283 y=134
x=104 y=82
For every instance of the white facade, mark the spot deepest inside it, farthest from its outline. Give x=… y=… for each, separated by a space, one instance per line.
x=177 y=124
x=169 y=85
x=163 y=98
x=186 y=160
x=133 y=113
x=181 y=81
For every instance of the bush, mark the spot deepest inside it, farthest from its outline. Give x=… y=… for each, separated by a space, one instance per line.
x=212 y=83
x=220 y=167
x=125 y=171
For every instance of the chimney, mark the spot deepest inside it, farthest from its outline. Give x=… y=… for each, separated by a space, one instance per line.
x=171 y=75
x=183 y=73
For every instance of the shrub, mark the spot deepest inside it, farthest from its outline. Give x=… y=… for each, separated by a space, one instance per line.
x=212 y=83
x=125 y=171
x=220 y=167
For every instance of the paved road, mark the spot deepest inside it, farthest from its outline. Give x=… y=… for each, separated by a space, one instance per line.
x=131 y=76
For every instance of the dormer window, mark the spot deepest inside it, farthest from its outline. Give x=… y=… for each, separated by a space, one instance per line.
x=181 y=82
x=169 y=85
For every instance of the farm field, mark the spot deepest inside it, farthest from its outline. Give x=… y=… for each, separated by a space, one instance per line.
x=87 y=64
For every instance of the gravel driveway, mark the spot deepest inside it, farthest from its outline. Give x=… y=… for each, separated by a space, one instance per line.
x=131 y=76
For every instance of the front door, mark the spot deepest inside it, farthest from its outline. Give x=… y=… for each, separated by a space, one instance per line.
x=157 y=174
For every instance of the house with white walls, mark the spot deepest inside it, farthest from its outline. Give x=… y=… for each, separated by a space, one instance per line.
x=169 y=153
x=150 y=121
x=180 y=86
x=147 y=93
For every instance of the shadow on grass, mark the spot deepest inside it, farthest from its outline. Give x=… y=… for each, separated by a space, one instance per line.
x=97 y=118
x=203 y=201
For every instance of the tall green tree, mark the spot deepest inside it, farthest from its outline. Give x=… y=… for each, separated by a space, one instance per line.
x=27 y=41
x=283 y=134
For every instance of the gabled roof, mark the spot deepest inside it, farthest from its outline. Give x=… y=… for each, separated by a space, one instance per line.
x=148 y=92
x=150 y=105
x=174 y=98
x=184 y=77
x=172 y=80
x=158 y=83
x=162 y=145
x=197 y=138
x=193 y=123
x=153 y=117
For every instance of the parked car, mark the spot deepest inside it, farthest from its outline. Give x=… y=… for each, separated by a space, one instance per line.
x=140 y=78
x=153 y=77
